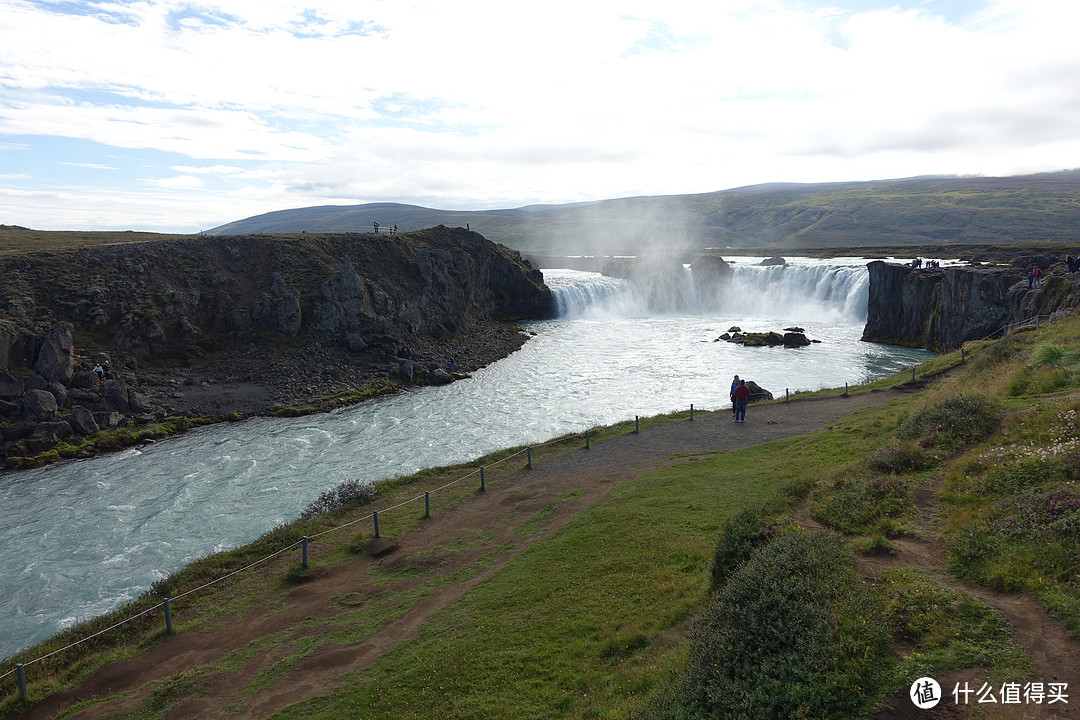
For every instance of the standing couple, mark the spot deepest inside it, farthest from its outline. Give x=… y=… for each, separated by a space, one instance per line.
x=740 y=395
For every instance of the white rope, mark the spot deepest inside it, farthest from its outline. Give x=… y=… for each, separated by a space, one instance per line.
x=279 y=552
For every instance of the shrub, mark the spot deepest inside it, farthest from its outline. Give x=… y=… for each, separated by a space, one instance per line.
x=1039 y=517
x=1048 y=354
x=1003 y=349
x=859 y=506
x=952 y=424
x=901 y=457
x=348 y=492
x=875 y=544
x=793 y=634
x=739 y=535
x=297 y=574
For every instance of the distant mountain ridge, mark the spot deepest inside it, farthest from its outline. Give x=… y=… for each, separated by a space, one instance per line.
x=914 y=211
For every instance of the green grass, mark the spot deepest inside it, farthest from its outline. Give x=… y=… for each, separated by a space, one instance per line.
x=592 y=620
x=585 y=622
x=947 y=630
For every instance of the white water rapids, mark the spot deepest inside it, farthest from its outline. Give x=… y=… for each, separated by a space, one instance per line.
x=80 y=538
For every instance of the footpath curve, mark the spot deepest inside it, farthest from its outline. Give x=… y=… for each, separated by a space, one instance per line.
x=587 y=473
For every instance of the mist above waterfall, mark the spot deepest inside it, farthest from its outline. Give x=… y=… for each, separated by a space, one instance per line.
x=833 y=290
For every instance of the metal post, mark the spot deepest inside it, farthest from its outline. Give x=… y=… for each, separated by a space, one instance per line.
x=20 y=680
x=845 y=389
x=303 y=552
x=912 y=374
x=168 y=617
x=528 y=455
x=962 y=354
x=637 y=427
x=787 y=395
x=586 y=439
x=483 y=484
x=691 y=412
x=375 y=514
x=427 y=504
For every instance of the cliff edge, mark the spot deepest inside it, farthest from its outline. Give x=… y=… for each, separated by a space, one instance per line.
x=211 y=326
x=941 y=308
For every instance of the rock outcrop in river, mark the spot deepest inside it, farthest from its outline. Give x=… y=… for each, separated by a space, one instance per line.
x=216 y=325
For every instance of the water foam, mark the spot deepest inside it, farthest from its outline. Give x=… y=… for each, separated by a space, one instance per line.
x=833 y=291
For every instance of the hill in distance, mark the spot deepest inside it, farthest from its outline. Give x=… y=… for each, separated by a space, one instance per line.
x=926 y=211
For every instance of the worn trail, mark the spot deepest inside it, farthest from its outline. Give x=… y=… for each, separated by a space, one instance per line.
x=586 y=475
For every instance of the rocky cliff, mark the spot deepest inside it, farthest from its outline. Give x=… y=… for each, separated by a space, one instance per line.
x=211 y=325
x=942 y=308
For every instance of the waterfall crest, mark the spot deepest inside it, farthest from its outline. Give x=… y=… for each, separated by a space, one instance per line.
x=835 y=291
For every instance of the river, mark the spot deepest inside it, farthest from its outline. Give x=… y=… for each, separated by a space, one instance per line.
x=80 y=538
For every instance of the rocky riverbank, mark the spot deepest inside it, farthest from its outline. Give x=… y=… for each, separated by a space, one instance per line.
x=203 y=329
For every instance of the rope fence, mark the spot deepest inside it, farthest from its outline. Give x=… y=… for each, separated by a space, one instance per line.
x=166 y=606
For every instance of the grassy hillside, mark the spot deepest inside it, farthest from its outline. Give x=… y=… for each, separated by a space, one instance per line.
x=920 y=211
x=818 y=574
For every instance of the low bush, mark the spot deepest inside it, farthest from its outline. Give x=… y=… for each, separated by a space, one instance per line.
x=899 y=458
x=739 y=535
x=858 y=506
x=793 y=634
x=952 y=424
x=348 y=492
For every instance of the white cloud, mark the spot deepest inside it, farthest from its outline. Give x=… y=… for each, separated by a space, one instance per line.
x=272 y=104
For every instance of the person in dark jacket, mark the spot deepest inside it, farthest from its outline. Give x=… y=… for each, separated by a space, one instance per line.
x=741 y=394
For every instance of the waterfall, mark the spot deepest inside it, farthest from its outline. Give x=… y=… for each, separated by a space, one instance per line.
x=585 y=294
x=804 y=288
x=819 y=290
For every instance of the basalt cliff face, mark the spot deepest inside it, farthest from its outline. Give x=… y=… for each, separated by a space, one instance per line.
x=941 y=308
x=212 y=325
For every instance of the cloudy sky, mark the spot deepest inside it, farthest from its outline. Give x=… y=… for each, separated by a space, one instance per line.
x=177 y=116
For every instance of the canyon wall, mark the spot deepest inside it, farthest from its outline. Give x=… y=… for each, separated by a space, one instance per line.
x=941 y=308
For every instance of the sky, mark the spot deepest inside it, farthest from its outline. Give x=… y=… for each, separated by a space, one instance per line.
x=178 y=116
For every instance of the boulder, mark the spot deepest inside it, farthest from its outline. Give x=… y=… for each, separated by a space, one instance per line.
x=16 y=430
x=11 y=387
x=441 y=377
x=758 y=393
x=83 y=380
x=38 y=405
x=56 y=356
x=108 y=419
x=82 y=421
x=75 y=395
x=711 y=275
x=138 y=402
x=114 y=394
x=59 y=392
x=795 y=339
x=771 y=339
x=53 y=429
x=773 y=261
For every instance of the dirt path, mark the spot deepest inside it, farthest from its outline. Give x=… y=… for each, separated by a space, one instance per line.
x=567 y=484
x=1054 y=654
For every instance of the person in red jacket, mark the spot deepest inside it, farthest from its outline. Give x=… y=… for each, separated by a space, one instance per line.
x=741 y=396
